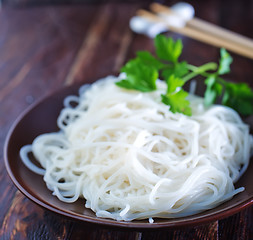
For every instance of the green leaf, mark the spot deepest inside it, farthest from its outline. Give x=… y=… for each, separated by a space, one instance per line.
x=148 y=59
x=139 y=76
x=167 y=48
x=179 y=70
x=213 y=90
x=177 y=102
x=173 y=83
x=225 y=61
x=125 y=83
x=238 y=96
x=175 y=96
x=143 y=71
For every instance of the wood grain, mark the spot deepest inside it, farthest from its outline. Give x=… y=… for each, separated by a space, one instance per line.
x=44 y=48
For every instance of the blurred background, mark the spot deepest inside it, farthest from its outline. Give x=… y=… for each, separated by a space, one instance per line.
x=43 y=2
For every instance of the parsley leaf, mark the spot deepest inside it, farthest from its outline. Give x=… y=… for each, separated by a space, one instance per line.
x=143 y=71
x=215 y=84
x=167 y=49
x=175 y=96
x=238 y=96
x=139 y=76
x=178 y=69
x=147 y=58
x=173 y=83
x=177 y=102
x=213 y=90
x=225 y=61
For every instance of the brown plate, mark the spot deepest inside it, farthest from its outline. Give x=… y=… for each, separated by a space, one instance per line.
x=41 y=118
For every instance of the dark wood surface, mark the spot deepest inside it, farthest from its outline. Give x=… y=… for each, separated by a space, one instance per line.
x=43 y=48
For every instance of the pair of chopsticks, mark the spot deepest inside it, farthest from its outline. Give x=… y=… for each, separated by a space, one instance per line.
x=203 y=31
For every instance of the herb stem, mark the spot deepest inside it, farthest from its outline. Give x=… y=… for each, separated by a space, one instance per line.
x=190 y=76
x=199 y=70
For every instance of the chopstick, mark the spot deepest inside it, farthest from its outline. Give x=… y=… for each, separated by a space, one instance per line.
x=207 y=27
x=203 y=31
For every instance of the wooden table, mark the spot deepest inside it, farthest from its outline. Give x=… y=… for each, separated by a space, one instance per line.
x=43 y=48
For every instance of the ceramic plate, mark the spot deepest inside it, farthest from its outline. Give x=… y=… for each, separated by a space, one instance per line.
x=41 y=118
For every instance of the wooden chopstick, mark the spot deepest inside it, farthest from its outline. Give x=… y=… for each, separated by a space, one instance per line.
x=204 y=36
x=207 y=27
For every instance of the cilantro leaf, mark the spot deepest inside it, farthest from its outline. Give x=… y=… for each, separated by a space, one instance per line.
x=225 y=61
x=139 y=76
x=167 y=48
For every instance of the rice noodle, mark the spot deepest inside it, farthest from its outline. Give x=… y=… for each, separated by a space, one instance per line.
x=131 y=158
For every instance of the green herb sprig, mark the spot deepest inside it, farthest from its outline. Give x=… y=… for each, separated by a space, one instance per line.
x=143 y=71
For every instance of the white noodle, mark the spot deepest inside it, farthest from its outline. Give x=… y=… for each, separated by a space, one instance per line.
x=131 y=158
